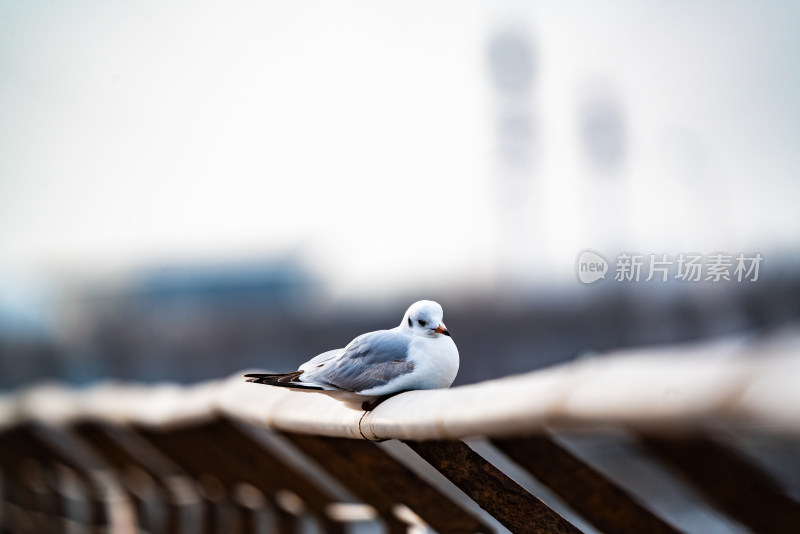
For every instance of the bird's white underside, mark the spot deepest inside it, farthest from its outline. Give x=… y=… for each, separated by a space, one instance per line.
x=434 y=357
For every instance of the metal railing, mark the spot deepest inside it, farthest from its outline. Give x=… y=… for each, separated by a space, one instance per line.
x=719 y=421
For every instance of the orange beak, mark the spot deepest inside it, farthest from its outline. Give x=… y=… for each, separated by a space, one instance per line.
x=442 y=330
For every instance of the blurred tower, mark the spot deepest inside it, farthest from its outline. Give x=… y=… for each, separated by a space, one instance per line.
x=604 y=188
x=520 y=232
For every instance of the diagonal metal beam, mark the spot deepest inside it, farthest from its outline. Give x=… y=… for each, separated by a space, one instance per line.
x=492 y=489
x=261 y=463
x=27 y=443
x=195 y=452
x=107 y=444
x=731 y=483
x=28 y=505
x=380 y=480
x=594 y=496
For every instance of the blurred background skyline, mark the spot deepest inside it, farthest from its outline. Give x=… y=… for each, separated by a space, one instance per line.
x=211 y=186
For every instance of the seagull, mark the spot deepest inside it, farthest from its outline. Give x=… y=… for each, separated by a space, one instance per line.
x=416 y=354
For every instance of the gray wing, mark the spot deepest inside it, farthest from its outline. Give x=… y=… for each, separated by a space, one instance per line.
x=369 y=361
x=320 y=360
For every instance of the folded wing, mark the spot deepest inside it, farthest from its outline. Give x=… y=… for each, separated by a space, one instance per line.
x=369 y=361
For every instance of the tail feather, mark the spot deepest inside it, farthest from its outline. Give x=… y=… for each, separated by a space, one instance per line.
x=285 y=380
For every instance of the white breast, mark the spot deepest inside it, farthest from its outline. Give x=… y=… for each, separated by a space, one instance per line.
x=435 y=362
x=435 y=366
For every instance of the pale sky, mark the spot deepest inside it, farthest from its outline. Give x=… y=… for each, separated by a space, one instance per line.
x=363 y=136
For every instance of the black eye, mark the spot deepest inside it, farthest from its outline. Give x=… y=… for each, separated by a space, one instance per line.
x=421 y=322
x=409 y=322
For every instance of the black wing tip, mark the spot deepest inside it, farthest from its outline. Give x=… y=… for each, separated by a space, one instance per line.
x=259 y=378
x=284 y=380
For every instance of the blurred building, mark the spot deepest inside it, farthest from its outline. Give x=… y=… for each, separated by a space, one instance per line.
x=461 y=152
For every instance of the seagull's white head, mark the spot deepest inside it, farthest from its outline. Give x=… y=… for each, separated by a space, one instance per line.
x=424 y=318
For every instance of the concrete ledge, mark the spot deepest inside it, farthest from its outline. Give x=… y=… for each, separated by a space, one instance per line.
x=677 y=388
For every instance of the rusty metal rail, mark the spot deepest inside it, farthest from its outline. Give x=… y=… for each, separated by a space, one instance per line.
x=713 y=421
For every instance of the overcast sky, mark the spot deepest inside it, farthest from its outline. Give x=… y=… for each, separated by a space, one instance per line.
x=365 y=137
